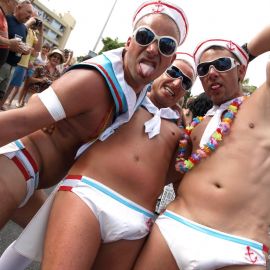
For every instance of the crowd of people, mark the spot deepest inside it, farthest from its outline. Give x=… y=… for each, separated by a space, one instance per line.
x=111 y=132
x=31 y=68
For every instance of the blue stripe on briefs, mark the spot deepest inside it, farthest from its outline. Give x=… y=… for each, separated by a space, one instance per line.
x=213 y=233
x=114 y=196
x=19 y=144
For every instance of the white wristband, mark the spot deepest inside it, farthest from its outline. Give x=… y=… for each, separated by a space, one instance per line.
x=52 y=104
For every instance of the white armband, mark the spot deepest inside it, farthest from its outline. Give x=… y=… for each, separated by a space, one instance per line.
x=52 y=104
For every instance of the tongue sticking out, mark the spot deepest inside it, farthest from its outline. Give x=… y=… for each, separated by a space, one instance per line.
x=146 y=69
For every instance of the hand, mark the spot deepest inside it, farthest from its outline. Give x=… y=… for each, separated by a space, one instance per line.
x=15 y=45
x=25 y=49
x=44 y=80
x=31 y=21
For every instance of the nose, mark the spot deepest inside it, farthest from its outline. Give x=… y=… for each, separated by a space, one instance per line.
x=152 y=48
x=177 y=81
x=212 y=71
x=177 y=84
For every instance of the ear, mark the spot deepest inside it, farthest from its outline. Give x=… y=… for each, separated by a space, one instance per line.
x=173 y=58
x=242 y=72
x=128 y=42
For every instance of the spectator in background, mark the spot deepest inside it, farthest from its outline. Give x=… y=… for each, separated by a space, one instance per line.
x=7 y=7
x=44 y=75
x=16 y=29
x=34 y=40
x=68 y=54
x=39 y=60
x=41 y=57
x=196 y=106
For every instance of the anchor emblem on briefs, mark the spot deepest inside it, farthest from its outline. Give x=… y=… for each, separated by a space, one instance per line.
x=251 y=257
x=231 y=46
x=158 y=8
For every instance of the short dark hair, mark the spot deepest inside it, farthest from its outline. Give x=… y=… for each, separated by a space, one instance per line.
x=200 y=105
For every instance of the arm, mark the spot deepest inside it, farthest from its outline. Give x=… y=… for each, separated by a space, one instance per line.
x=79 y=91
x=39 y=43
x=68 y=62
x=13 y=44
x=39 y=34
x=260 y=43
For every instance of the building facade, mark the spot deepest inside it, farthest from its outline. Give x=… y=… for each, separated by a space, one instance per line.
x=57 y=27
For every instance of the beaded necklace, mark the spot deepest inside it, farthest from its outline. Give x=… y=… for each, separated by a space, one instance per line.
x=184 y=165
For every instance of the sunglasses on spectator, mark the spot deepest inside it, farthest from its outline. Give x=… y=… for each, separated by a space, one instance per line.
x=176 y=73
x=144 y=36
x=221 y=64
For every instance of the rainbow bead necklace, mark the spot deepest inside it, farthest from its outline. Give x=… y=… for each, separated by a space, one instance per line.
x=184 y=165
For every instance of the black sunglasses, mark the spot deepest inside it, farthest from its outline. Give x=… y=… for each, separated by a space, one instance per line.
x=221 y=64
x=144 y=36
x=176 y=73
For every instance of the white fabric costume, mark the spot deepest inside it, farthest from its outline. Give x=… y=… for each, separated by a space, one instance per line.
x=195 y=246
x=111 y=209
x=152 y=126
x=17 y=152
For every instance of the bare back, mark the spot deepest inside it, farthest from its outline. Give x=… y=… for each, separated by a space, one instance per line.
x=235 y=177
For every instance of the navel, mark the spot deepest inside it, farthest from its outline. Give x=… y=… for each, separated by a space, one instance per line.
x=217 y=185
x=136 y=158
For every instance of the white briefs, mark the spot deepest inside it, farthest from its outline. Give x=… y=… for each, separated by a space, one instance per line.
x=195 y=246
x=119 y=218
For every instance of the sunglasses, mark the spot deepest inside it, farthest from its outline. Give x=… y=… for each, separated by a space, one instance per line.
x=144 y=36
x=175 y=73
x=222 y=64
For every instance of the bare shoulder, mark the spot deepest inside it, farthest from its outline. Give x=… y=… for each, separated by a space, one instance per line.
x=81 y=88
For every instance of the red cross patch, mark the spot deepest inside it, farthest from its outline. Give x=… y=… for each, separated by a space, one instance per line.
x=230 y=46
x=158 y=8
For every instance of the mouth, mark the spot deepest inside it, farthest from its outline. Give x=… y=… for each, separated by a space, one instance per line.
x=215 y=86
x=169 y=91
x=147 y=68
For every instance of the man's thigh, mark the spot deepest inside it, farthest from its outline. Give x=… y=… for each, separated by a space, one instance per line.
x=120 y=255
x=12 y=189
x=155 y=254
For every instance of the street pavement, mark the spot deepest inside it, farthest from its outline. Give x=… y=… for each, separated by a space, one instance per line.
x=7 y=235
x=11 y=232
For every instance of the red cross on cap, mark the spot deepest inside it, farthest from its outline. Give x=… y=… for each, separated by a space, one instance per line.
x=158 y=8
x=231 y=46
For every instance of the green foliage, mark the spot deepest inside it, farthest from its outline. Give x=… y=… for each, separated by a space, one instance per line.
x=247 y=88
x=110 y=44
x=80 y=59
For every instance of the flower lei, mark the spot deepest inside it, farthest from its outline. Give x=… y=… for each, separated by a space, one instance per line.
x=184 y=165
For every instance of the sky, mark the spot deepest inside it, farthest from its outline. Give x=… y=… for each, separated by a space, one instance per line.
x=238 y=20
